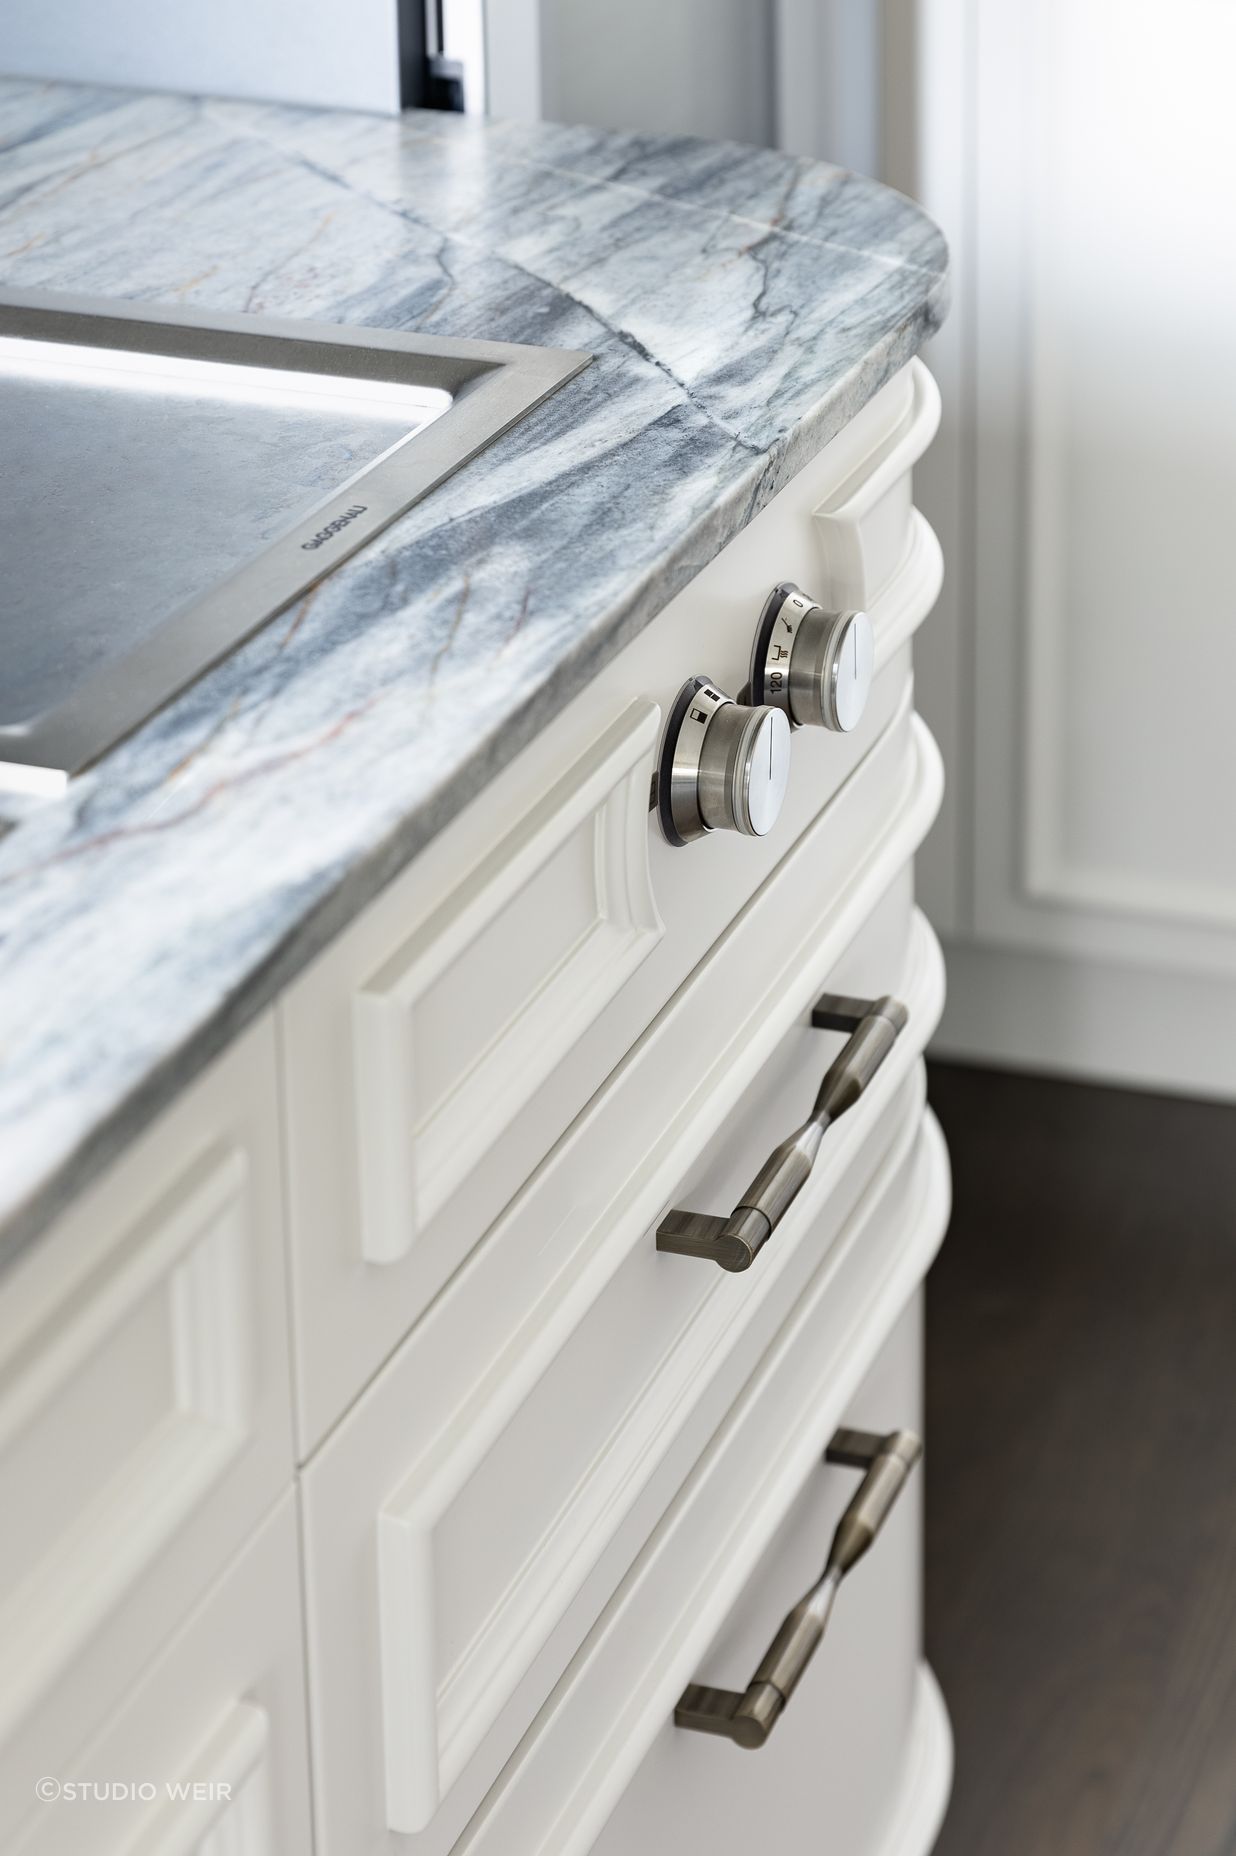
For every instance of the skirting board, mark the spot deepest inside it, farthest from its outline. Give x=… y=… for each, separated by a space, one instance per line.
x=1137 y=1027
x=918 y=1811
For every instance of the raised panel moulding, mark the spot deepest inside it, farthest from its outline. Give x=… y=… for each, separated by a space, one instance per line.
x=192 y=1253
x=413 y=1152
x=236 y=1819
x=854 y=523
x=899 y=610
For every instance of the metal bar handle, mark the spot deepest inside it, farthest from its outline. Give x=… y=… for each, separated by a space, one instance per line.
x=735 y=1242
x=748 y=1717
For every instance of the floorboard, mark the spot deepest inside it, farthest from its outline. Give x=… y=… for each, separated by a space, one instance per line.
x=1081 y=1510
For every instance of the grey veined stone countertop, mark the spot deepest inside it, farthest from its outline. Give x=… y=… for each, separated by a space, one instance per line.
x=741 y=306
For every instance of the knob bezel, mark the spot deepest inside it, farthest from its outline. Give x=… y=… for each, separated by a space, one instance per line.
x=704 y=776
x=682 y=746
x=796 y=658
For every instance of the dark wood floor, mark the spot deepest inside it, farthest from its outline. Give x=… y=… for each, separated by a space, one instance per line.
x=1081 y=1424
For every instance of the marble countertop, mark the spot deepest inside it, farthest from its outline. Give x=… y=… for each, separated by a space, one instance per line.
x=741 y=305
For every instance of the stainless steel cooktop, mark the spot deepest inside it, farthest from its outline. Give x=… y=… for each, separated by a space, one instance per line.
x=170 y=480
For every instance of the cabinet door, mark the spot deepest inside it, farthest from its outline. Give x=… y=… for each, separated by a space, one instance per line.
x=207 y=1754
x=144 y=1408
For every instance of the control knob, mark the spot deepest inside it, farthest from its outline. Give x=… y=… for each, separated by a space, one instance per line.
x=724 y=766
x=817 y=666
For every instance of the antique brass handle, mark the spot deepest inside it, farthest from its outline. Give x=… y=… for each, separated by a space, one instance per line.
x=747 y=1718
x=736 y=1241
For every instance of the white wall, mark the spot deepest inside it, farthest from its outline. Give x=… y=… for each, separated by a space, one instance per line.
x=691 y=67
x=827 y=80
x=926 y=149
x=298 y=51
x=797 y=74
x=1082 y=677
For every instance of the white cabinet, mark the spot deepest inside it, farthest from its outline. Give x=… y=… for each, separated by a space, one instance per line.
x=145 y=1421
x=444 y=1042
x=206 y=1756
x=547 y=1473
x=434 y=1633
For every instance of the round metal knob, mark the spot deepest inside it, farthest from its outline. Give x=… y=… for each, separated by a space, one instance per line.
x=817 y=666
x=724 y=767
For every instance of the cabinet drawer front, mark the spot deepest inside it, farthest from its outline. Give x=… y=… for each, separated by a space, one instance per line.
x=457 y=1031
x=362 y=1615
x=144 y=1399
x=549 y=1381
x=861 y=1760
x=573 y=1453
x=207 y=1755
x=426 y=1075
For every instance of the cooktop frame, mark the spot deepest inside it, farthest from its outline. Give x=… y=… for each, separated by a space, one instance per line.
x=492 y=385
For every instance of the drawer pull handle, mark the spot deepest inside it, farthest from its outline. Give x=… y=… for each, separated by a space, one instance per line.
x=736 y=1241
x=749 y=1717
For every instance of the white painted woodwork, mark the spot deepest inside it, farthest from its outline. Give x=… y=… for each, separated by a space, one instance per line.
x=705 y=1595
x=1130 y=656
x=144 y=1400
x=843 y=540
x=1080 y=677
x=867 y=525
x=345 y=1651
x=1035 y=1011
x=1105 y=742
x=220 y=1710
x=568 y=1326
x=925 y=93
x=569 y=1457
x=513 y=59
x=550 y=1475
x=459 y=1029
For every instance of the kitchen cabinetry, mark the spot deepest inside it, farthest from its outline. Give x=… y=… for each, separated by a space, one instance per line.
x=534 y=1471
